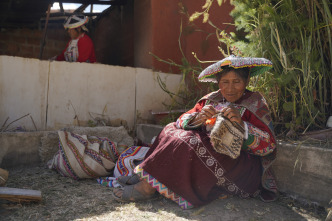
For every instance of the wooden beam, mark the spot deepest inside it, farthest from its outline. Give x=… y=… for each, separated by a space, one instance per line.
x=65 y=14
x=20 y=195
x=18 y=24
x=42 y=44
x=81 y=8
x=97 y=2
x=61 y=7
x=20 y=15
x=3 y=176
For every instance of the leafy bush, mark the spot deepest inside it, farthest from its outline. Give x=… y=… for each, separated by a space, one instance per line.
x=296 y=36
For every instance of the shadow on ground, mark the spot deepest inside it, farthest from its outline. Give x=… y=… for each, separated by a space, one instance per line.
x=67 y=199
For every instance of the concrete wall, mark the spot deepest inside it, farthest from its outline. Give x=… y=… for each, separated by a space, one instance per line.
x=60 y=94
x=304 y=171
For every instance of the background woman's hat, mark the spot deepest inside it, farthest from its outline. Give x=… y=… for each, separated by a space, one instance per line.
x=75 y=21
x=257 y=66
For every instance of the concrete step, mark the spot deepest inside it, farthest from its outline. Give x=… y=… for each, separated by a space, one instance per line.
x=146 y=132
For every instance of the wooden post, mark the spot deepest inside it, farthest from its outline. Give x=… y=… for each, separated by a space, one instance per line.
x=3 y=176
x=20 y=195
x=42 y=44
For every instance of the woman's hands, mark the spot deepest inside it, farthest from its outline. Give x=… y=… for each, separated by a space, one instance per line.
x=209 y=111
x=233 y=114
x=206 y=113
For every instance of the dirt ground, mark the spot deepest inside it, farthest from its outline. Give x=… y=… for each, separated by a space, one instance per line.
x=67 y=199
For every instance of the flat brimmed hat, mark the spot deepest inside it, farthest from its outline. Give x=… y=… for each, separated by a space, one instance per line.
x=75 y=21
x=257 y=66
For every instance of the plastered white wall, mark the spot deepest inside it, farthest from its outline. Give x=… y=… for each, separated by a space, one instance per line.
x=23 y=90
x=61 y=94
x=91 y=89
x=150 y=96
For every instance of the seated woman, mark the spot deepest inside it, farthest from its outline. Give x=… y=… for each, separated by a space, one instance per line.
x=183 y=165
x=80 y=48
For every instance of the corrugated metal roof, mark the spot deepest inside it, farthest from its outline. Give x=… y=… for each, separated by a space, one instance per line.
x=32 y=13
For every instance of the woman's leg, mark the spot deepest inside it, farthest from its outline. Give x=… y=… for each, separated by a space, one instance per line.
x=142 y=187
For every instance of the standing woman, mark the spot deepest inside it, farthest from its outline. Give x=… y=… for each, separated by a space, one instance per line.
x=185 y=166
x=80 y=48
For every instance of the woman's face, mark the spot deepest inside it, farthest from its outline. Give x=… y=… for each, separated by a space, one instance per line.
x=73 y=33
x=232 y=86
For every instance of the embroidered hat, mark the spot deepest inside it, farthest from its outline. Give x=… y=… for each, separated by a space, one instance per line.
x=257 y=66
x=75 y=21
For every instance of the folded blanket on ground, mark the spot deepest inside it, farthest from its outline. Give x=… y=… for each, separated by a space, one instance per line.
x=82 y=156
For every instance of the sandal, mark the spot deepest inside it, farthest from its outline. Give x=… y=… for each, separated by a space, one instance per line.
x=128 y=180
x=130 y=194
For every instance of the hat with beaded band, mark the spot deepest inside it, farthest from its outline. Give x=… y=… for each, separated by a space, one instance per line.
x=257 y=66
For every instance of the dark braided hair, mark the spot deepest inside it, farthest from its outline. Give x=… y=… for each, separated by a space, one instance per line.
x=241 y=72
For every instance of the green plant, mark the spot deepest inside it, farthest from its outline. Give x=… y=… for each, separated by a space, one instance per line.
x=296 y=36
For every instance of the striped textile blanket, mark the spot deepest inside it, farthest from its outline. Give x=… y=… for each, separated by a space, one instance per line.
x=82 y=156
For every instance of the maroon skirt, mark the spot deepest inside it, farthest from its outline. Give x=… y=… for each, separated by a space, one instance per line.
x=185 y=162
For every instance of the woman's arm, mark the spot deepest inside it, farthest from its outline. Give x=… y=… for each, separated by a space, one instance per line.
x=260 y=140
x=187 y=120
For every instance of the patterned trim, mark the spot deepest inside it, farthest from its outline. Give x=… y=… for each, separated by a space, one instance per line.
x=257 y=132
x=130 y=152
x=162 y=189
x=113 y=149
x=65 y=163
x=185 y=120
x=266 y=150
x=94 y=155
x=108 y=182
x=257 y=66
x=125 y=165
x=78 y=157
x=255 y=136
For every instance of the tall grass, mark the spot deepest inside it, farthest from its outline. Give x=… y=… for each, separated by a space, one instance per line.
x=296 y=36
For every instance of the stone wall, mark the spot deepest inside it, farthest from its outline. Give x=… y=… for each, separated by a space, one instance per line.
x=26 y=43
